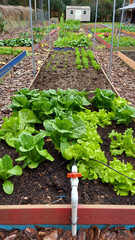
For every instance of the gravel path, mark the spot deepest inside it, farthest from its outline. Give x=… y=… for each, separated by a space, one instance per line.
x=122 y=76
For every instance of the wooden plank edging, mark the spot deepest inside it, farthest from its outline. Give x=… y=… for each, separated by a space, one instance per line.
x=127 y=60
x=13 y=62
x=60 y=214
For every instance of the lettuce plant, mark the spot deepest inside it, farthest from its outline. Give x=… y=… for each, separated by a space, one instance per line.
x=63 y=132
x=22 y=121
x=122 y=143
x=31 y=149
x=7 y=170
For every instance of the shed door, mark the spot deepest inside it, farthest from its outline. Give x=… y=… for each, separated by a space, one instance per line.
x=78 y=15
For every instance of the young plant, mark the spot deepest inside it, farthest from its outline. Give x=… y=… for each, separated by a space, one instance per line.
x=95 y=65
x=122 y=143
x=85 y=62
x=90 y=54
x=7 y=170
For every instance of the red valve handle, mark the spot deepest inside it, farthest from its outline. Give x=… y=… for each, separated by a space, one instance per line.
x=74 y=175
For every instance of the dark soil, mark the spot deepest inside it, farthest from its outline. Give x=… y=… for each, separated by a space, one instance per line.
x=66 y=75
x=48 y=184
x=130 y=54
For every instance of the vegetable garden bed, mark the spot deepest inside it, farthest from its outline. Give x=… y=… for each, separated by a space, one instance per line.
x=48 y=186
x=25 y=43
x=131 y=48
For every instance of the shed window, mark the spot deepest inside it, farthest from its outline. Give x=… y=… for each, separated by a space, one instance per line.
x=84 y=12
x=71 y=11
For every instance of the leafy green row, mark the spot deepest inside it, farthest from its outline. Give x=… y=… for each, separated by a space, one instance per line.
x=73 y=40
x=9 y=51
x=130 y=28
x=15 y=42
x=101 y=30
x=50 y=103
x=123 y=41
x=82 y=59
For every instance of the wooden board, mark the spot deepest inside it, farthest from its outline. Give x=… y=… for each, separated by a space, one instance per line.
x=127 y=60
x=13 y=62
x=60 y=214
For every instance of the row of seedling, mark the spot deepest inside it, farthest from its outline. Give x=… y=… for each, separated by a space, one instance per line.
x=56 y=58
x=85 y=59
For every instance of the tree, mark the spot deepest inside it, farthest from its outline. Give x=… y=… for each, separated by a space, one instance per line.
x=40 y=4
x=57 y=5
x=4 y=2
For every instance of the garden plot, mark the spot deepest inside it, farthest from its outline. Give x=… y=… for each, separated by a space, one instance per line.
x=61 y=71
x=49 y=180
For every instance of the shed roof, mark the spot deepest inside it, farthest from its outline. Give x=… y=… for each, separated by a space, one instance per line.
x=81 y=7
x=130 y=6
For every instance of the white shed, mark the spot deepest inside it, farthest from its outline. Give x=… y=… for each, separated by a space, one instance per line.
x=81 y=13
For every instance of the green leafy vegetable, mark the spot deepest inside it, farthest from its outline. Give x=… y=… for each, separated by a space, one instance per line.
x=64 y=131
x=31 y=149
x=6 y=171
x=122 y=143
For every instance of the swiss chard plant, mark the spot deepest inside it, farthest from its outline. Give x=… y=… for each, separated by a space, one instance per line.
x=7 y=170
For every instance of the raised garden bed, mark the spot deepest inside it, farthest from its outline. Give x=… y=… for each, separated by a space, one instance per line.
x=47 y=187
x=128 y=57
x=29 y=48
x=109 y=46
x=48 y=183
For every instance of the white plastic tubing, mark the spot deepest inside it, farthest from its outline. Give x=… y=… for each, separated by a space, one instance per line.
x=74 y=200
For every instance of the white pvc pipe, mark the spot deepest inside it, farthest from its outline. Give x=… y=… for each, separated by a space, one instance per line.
x=95 y=24
x=74 y=200
x=32 y=38
x=110 y=67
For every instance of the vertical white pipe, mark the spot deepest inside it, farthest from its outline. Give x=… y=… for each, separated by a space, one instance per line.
x=35 y=5
x=32 y=38
x=74 y=203
x=122 y=14
x=95 y=24
x=74 y=200
x=49 y=23
x=110 y=67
